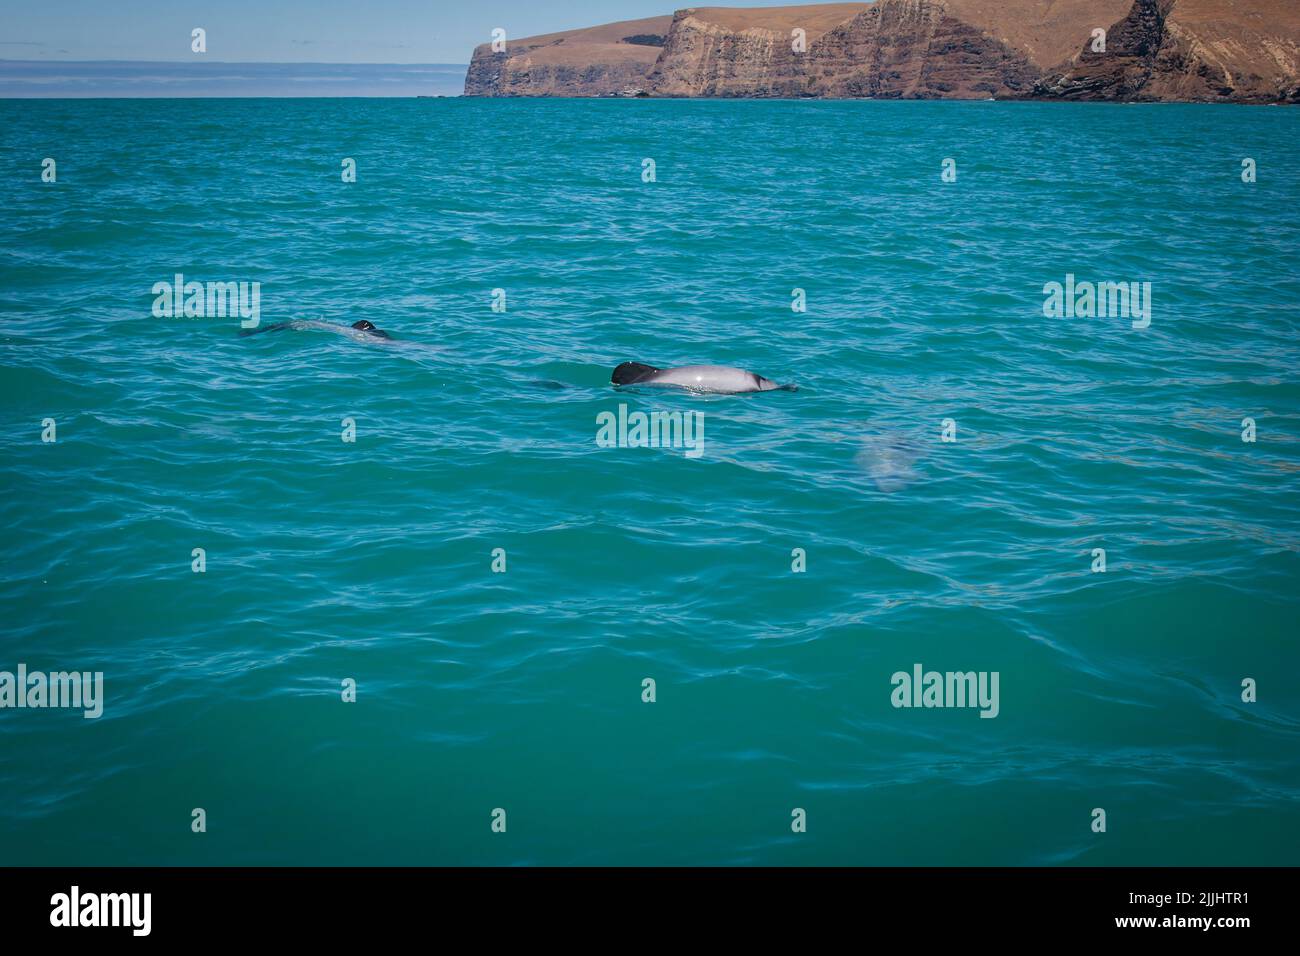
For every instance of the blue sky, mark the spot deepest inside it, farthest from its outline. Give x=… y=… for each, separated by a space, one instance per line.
x=295 y=31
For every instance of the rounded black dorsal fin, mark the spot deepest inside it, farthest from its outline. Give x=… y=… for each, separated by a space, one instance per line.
x=629 y=373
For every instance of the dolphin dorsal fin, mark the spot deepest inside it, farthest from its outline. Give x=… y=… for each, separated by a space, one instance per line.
x=629 y=373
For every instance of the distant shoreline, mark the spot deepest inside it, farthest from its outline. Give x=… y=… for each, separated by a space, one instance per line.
x=208 y=79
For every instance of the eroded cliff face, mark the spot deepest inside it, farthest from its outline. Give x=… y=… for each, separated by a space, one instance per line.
x=889 y=49
x=1198 y=50
x=597 y=61
x=1234 y=50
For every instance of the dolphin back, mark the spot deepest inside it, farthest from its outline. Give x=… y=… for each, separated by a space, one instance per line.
x=723 y=379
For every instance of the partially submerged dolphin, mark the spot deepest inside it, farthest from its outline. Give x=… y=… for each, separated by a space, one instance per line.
x=362 y=329
x=722 y=379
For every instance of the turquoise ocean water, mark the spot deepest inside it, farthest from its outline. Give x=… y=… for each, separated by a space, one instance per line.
x=372 y=560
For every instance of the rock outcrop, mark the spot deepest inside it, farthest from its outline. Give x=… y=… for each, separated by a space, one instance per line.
x=888 y=49
x=1199 y=50
x=1230 y=50
x=597 y=61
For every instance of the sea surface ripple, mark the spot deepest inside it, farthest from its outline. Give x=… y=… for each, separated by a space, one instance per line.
x=476 y=430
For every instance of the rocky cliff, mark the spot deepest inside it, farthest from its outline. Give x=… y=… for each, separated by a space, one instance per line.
x=597 y=61
x=1233 y=50
x=891 y=48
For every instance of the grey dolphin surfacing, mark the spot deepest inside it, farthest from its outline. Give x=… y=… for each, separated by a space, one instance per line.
x=361 y=330
x=722 y=379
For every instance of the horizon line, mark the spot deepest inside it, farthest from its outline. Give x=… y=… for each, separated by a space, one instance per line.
x=254 y=62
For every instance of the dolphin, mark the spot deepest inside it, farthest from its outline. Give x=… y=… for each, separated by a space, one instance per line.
x=721 y=379
x=360 y=330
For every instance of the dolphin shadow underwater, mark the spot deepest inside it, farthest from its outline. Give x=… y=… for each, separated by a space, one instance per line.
x=711 y=379
x=889 y=459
